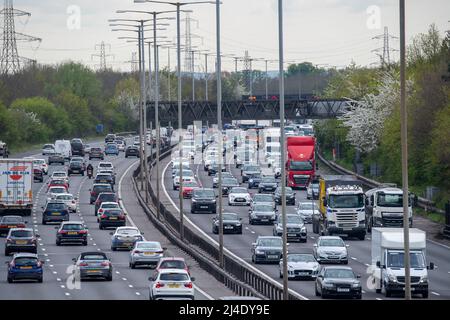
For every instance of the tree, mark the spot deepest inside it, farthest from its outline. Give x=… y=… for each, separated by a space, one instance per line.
x=302 y=68
x=78 y=112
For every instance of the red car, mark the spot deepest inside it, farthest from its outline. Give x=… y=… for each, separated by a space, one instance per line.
x=58 y=183
x=188 y=188
x=172 y=263
x=9 y=222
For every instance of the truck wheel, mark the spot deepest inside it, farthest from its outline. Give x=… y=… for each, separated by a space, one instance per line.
x=362 y=236
x=387 y=292
x=425 y=295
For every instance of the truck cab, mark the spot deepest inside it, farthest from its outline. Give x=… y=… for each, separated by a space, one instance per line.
x=341 y=204
x=301 y=163
x=388 y=271
x=384 y=208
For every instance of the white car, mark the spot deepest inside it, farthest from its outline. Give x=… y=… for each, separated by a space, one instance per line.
x=176 y=162
x=171 y=284
x=188 y=175
x=120 y=145
x=104 y=165
x=106 y=205
x=48 y=149
x=68 y=199
x=306 y=210
x=41 y=164
x=239 y=196
x=300 y=265
x=54 y=191
x=87 y=148
x=60 y=175
x=175 y=169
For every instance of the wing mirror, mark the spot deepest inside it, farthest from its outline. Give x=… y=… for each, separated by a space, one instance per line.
x=164 y=248
x=431 y=266
x=151 y=279
x=254 y=244
x=315 y=245
x=192 y=279
x=358 y=276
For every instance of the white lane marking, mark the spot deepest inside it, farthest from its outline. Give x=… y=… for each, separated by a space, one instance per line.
x=130 y=285
x=378 y=298
x=362 y=291
x=435 y=293
x=439 y=244
x=137 y=293
x=54 y=272
x=124 y=279
x=312 y=237
x=246 y=228
x=186 y=218
x=353 y=258
x=58 y=279
x=253 y=232
x=63 y=286
x=43 y=249
x=51 y=266
x=117 y=272
x=203 y=293
x=67 y=294
x=366 y=264
x=45 y=255
x=120 y=192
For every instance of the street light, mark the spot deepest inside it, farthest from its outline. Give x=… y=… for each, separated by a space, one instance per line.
x=283 y=143
x=193 y=71
x=180 y=117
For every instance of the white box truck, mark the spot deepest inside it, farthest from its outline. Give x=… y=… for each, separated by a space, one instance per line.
x=388 y=261
x=16 y=185
x=64 y=148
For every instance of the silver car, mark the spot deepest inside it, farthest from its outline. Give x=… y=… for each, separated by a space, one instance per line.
x=296 y=229
x=68 y=199
x=306 y=210
x=263 y=198
x=267 y=249
x=331 y=249
x=300 y=265
x=146 y=253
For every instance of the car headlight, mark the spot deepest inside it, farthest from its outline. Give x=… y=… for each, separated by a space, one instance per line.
x=356 y=285
x=303 y=229
x=328 y=285
x=259 y=252
x=238 y=224
x=193 y=200
x=424 y=279
x=251 y=180
x=315 y=267
x=391 y=278
x=279 y=227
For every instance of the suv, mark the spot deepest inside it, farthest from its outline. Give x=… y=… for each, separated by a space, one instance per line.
x=75 y=167
x=203 y=200
x=97 y=189
x=132 y=151
x=71 y=232
x=110 y=138
x=104 y=197
x=111 y=218
x=38 y=175
x=21 y=240
x=295 y=225
x=55 y=211
x=56 y=158
x=290 y=196
x=96 y=153
x=77 y=147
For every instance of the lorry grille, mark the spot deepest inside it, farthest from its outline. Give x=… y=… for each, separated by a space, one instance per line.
x=392 y=221
x=346 y=220
x=301 y=180
x=401 y=279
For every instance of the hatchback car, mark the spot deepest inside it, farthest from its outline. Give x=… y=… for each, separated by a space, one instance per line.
x=306 y=210
x=203 y=200
x=300 y=266
x=267 y=184
x=290 y=196
x=338 y=281
x=263 y=198
x=41 y=164
x=296 y=229
x=106 y=205
x=25 y=266
x=239 y=196
x=231 y=223
x=331 y=249
x=76 y=167
x=132 y=151
x=111 y=148
x=267 y=249
x=171 y=283
x=97 y=189
x=60 y=175
x=96 y=153
x=105 y=166
x=21 y=240
x=71 y=232
x=146 y=253
x=54 y=191
x=172 y=263
x=105 y=197
x=92 y=265
x=56 y=158
x=68 y=199
x=188 y=189
x=125 y=238
x=55 y=211
x=10 y=222
x=57 y=183
x=111 y=218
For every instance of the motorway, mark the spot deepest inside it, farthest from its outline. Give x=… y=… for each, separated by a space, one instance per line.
x=359 y=251
x=127 y=284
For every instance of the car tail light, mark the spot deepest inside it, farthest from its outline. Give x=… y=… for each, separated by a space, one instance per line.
x=122 y=217
x=188 y=285
x=21 y=225
x=105 y=264
x=83 y=264
x=100 y=210
x=82 y=232
x=39 y=264
x=103 y=216
x=159 y=285
x=92 y=193
x=62 y=231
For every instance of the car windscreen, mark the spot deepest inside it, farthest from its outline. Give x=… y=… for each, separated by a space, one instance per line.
x=395 y=259
x=263 y=208
x=204 y=194
x=339 y=273
x=174 y=277
x=72 y=226
x=270 y=242
x=56 y=206
x=239 y=190
x=331 y=243
x=230 y=217
x=301 y=165
x=301 y=258
x=64 y=197
x=268 y=180
x=21 y=233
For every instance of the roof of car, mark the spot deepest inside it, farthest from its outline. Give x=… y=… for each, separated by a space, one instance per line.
x=24 y=254
x=329 y=237
x=109 y=202
x=21 y=229
x=173 y=271
x=92 y=253
x=171 y=258
x=101 y=184
x=11 y=216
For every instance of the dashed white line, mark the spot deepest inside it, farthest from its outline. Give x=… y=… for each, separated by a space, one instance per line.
x=117 y=272
x=137 y=293
x=63 y=286
x=378 y=298
x=435 y=293
x=353 y=258
x=54 y=272
x=67 y=294
x=58 y=279
x=124 y=279
x=130 y=285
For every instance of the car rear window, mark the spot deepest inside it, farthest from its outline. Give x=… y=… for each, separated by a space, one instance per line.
x=174 y=277
x=11 y=219
x=110 y=205
x=99 y=189
x=74 y=226
x=96 y=150
x=26 y=261
x=107 y=197
x=58 y=190
x=113 y=212
x=21 y=233
x=93 y=257
x=56 y=206
x=64 y=197
x=172 y=264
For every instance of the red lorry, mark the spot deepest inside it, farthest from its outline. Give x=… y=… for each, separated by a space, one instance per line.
x=301 y=162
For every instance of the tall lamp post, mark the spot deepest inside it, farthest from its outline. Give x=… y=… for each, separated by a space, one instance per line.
x=178 y=5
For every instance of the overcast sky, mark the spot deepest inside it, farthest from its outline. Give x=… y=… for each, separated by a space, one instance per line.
x=324 y=32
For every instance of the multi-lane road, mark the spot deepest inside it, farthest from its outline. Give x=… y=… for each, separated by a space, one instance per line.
x=127 y=283
x=240 y=245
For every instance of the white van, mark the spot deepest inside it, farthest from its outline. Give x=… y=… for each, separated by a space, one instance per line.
x=64 y=148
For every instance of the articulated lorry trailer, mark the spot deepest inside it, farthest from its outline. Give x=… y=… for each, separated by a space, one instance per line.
x=301 y=161
x=341 y=207
x=16 y=186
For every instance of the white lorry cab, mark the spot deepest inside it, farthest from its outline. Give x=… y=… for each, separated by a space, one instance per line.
x=388 y=261
x=64 y=148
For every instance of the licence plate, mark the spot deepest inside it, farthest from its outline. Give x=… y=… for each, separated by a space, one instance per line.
x=93 y=271
x=228 y=227
x=112 y=218
x=272 y=257
x=204 y=207
x=56 y=213
x=347 y=229
x=129 y=244
x=149 y=253
x=173 y=285
x=21 y=242
x=292 y=235
x=343 y=290
x=72 y=233
x=301 y=274
x=26 y=267
x=12 y=226
x=240 y=200
x=264 y=220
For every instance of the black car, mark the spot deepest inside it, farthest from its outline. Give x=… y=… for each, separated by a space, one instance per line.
x=10 y=222
x=104 y=197
x=38 y=175
x=97 y=189
x=96 y=153
x=231 y=223
x=132 y=151
x=228 y=184
x=338 y=281
x=290 y=196
x=254 y=180
x=76 y=167
x=249 y=170
x=55 y=211
x=267 y=184
x=262 y=213
x=77 y=147
x=71 y=232
x=21 y=240
x=104 y=178
x=56 y=158
x=214 y=168
x=110 y=138
x=111 y=218
x=203 y=200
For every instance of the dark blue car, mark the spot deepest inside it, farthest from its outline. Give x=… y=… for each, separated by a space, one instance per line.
x=254 y=180
x=25 y=266
x=55 y=211
x=111 y=148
